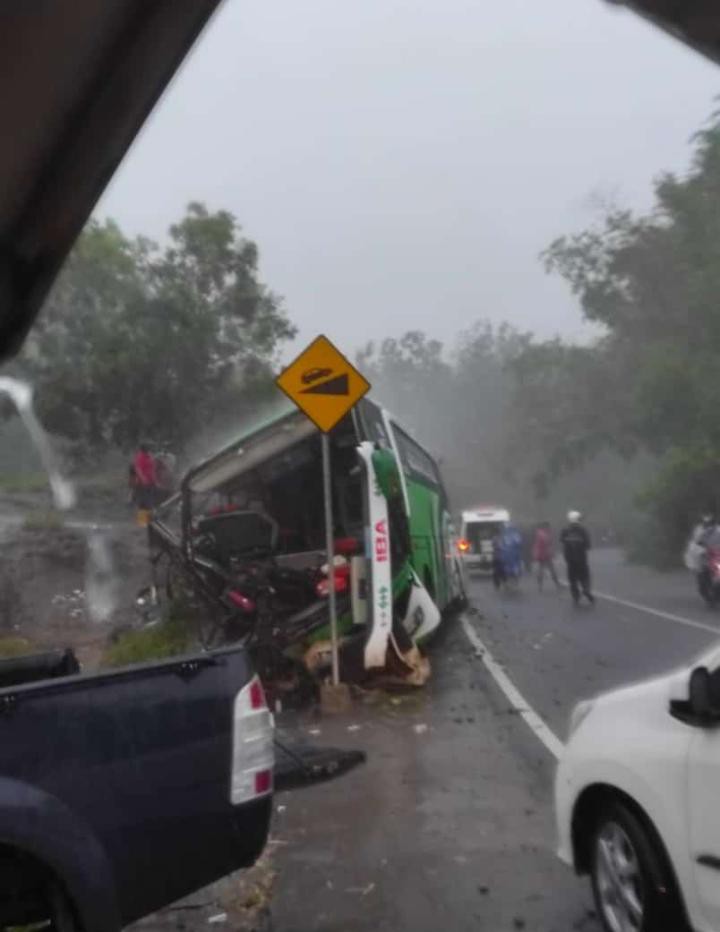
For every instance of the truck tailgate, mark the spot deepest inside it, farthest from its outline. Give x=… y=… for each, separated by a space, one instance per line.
x=131 y=773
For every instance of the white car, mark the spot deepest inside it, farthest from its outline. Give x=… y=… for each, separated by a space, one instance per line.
x=637 y=798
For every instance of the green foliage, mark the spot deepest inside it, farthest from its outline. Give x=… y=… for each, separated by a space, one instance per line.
x=461 y=406
x=15 y=647
x=19 y=483
x=46 y=520
x=142 y=342
x=454 y=403
x=650 y=382
x=169 y=638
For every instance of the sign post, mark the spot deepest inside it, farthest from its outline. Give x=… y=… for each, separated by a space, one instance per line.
x=330 y=547
x=325 y=386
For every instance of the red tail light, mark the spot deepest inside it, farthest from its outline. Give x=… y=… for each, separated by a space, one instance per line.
x=257 y=695
x=323 y=587
x=463 y=545
x=263 y=782
x=252 y=753
x=242 y=601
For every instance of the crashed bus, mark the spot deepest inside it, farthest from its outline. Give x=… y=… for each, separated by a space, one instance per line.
x=245 y=534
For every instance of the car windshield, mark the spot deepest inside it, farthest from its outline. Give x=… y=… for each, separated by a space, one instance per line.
x=371 y=273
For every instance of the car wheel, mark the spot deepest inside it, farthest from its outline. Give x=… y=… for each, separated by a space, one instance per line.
x=63 y=918
x=633 y=886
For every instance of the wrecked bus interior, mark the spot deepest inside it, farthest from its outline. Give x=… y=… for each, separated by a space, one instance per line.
x=245 y=535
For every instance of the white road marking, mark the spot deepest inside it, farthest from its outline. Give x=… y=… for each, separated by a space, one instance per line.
x=513 y=694
x=668 y=616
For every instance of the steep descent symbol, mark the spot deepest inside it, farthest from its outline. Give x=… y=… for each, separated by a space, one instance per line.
x=337 y=386
x=323 y=383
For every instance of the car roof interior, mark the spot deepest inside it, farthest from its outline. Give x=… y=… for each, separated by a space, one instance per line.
x=79 y=79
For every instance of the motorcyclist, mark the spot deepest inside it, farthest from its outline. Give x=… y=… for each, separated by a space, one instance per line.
x=696 y=553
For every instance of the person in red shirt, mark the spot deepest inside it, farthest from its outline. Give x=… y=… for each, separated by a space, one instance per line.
x=145 y=478
x=543 y=553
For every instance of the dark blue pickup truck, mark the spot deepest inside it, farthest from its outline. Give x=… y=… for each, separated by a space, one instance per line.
x=124 y=791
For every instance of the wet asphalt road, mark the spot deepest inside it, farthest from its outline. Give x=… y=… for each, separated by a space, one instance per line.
x=449 y=825
x=557 y=654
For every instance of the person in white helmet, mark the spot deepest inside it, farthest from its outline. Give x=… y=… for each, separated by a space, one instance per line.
x=575 y=541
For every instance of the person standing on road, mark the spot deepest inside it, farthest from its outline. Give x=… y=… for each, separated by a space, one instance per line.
x=507 y=556
x=543 y=553
x=499 y=575
x=576 y=544
x=145 y=471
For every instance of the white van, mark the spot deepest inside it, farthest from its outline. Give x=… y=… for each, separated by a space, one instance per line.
x=477 y=529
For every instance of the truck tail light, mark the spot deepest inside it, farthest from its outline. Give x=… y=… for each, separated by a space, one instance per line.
x=463 y=545
x=253 y=756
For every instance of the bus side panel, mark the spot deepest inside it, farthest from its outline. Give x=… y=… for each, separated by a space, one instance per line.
x=427 y=540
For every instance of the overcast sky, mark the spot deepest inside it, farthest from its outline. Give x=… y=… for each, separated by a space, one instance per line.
x=401 y=163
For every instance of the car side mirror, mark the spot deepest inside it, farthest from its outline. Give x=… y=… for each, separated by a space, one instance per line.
x=699 y=692
x=701 y=709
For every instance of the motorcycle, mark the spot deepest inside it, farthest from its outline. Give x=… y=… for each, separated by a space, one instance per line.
x=709 y=577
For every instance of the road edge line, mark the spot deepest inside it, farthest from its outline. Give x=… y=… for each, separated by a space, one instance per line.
x=516 y=699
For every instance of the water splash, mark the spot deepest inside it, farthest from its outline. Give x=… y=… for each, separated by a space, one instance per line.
x=20 y=393
x=101 y=584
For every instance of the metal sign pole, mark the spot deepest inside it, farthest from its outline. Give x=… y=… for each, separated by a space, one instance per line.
x=330 y=547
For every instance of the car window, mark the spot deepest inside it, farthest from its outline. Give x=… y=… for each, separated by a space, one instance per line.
x=506 y=217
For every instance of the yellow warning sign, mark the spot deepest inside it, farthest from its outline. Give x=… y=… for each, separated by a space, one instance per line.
x=323 y=383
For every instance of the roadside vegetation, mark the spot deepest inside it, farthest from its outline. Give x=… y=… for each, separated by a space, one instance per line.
x=172 y=635
x=15 y=647
x=43 y=520
x=623 y=427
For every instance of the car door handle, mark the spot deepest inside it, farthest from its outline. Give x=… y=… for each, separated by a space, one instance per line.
x=709 y=860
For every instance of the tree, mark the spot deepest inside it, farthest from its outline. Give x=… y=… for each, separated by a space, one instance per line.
x=650 y=382
x=453 y=402
x=142 y=342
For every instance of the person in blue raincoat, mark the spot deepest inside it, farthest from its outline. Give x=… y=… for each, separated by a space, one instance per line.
x=507 y=555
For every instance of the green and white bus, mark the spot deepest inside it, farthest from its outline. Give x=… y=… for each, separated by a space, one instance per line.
x=391 y=514
x=434 y=552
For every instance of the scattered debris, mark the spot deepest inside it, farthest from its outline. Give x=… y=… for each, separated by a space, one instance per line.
x=363 y=891
x=217 y=918
x=354 y=727
x=420 y=728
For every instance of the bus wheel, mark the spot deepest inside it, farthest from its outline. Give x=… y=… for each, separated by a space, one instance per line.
x=461 y=599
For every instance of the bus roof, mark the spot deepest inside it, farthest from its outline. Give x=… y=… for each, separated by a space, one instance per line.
x=486 y=513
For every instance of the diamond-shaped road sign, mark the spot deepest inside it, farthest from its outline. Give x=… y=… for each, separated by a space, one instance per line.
x=323 y=383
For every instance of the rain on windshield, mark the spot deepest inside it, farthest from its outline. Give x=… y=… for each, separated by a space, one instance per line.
x=505 y=220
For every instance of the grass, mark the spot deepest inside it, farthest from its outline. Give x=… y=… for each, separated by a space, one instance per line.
x=15 y=647
x=168 y=638
x=17 y=483
x=46 y=520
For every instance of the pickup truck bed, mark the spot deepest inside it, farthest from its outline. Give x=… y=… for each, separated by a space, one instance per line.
x=116 y=788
